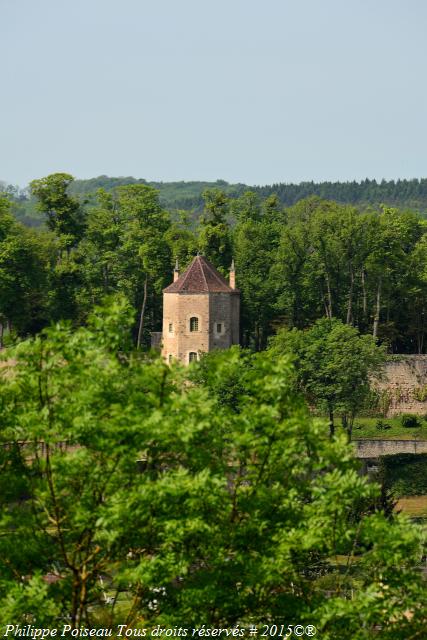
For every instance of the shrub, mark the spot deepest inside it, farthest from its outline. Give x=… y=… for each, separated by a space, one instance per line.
x=410 y=421
x=405 y=474
x=420 y=393
x=382 y=426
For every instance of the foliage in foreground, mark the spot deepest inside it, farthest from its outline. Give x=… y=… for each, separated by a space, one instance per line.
x=234 y=512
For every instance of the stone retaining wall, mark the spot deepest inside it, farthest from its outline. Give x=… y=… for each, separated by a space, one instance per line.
x=375 y=448
x=404 y=387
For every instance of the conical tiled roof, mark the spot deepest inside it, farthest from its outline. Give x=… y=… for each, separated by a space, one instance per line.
x=200 y=277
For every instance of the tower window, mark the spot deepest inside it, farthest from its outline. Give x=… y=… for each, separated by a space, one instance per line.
x=194 y=324
x=170 y=327
x=192 y=356
x=170 y=357
x=219 y=327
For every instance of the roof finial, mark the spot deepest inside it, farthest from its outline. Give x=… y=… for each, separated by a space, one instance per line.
x=232 y=279
x=176 y=271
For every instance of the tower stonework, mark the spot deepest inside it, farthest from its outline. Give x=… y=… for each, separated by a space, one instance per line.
x=201 y=312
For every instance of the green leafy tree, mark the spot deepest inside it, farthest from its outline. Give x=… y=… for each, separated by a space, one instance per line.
x=182 y=241
x=65 y=214
x=24 y=275
x=334 y=366
x=336 y=261
x=308 y=267
x=296 y=303
x=246 y=207
x=255 y=243
x=144 y=253
x=416 y=295
x=393 y=237
x=225 y=384
x=126 y=250
x=214 y=235
x=100 y=248
x=7 y=221
x=238 y=512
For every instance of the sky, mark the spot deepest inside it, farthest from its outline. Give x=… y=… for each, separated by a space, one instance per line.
x=253 y=91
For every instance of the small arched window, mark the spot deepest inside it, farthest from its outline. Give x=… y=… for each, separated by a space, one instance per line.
x=170 y=357
x=192 y=356
x=170 y=327
x=194 y=324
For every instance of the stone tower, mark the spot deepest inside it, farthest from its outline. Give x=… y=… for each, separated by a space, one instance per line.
x=200 y=312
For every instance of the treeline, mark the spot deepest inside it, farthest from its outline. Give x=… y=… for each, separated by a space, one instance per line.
x=401 y=193
x=188 y=196
x=295 y=264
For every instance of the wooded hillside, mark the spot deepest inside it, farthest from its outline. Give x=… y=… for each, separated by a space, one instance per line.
x=408 y=194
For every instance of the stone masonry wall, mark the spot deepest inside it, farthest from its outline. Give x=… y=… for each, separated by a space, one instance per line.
x=404 y=387
x=178 y=308
x=218 y=323
x=223 y=310
x=367 y=448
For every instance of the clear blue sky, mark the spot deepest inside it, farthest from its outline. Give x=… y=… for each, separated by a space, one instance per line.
x=256 y=91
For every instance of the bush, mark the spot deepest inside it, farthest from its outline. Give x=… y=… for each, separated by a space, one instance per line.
x=382 y=426
x=420 y=393
x=410 y=421
x=405 y=474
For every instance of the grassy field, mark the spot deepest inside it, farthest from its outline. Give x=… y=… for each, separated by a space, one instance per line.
x=367 y=428
x=413 y=506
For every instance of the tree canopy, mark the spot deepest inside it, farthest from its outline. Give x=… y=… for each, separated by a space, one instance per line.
x=317 y=258
x=120 y=477
x=334 y=365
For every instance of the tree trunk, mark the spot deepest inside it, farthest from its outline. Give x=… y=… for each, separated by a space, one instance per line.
x=1 y=334
x=322 y=295
x=141 y=317
x=74 y=599
x=328 y=287
x=365 y=300
x=350 y=427
x=347 y=423
x=377 y=310
x=350 y=296
x=105 y=278
x=82 y=598
x=331 y=423
x=420 y=338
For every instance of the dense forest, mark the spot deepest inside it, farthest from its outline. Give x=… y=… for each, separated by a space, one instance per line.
x=295 y=264
x=188 y=196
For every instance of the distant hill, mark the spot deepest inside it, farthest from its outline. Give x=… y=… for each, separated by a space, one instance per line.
x=173 y=195
x=407 y=194
x=188 y=195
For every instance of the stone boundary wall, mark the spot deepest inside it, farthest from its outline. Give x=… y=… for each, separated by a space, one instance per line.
x=404 y=386
x=375 y=448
